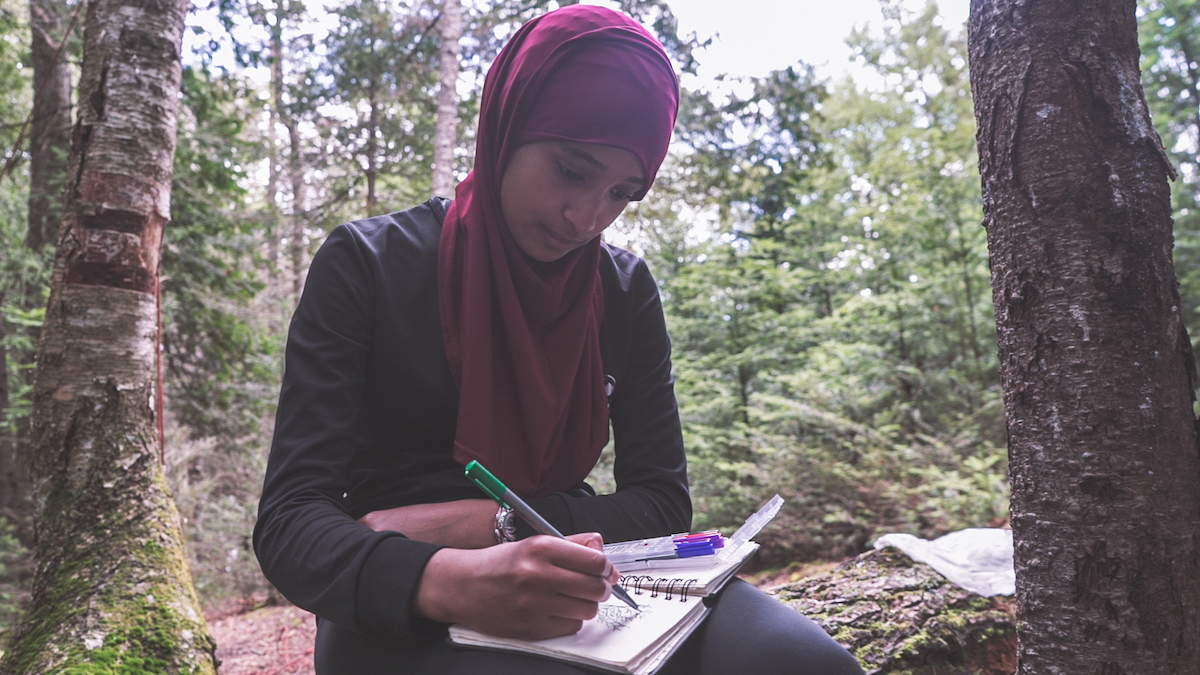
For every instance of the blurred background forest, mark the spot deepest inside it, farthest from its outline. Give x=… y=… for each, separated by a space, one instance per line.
x=817 y=243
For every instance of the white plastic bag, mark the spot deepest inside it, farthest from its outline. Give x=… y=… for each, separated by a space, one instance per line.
x=977 y=559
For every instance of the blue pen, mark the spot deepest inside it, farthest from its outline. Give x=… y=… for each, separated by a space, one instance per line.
x=505 y=497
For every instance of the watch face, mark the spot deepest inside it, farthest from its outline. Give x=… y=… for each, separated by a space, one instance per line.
x=505 y=529
x=508 y=527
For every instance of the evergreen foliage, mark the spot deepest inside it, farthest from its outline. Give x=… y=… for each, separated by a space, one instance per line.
x=23 y=283
x=834 y=339
x=1170 y=37
x=221 y=361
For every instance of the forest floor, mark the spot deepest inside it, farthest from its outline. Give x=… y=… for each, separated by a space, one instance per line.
x=274 y=640
x=253 y=639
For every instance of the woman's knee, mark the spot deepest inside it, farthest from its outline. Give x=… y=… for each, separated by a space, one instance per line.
x=750 y=631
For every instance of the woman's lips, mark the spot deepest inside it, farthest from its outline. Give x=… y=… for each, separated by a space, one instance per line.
x=556 y=241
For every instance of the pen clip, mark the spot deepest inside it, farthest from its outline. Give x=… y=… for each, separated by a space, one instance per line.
x=490 y=485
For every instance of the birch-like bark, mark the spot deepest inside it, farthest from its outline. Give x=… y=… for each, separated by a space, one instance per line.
x=276 y=171
x=296 y=238
x=50 y=128
x=372 y=143
x=295 y=161
x=112 y=589
x=445 y=135
x=9 y=478
x=1096 y=365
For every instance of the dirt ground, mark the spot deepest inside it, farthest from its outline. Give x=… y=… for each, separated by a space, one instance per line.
x=265 y=641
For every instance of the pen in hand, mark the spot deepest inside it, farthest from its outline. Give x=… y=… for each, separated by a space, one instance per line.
x=505 y=497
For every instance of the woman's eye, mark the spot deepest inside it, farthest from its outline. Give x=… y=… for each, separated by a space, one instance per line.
x=621 y=195
x=569 y=173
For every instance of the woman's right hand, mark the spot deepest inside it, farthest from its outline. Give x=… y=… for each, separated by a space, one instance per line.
x=537 y=588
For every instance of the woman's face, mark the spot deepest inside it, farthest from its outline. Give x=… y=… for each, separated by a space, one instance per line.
x=557 y=196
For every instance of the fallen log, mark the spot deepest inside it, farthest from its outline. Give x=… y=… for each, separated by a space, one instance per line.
x=900 y=617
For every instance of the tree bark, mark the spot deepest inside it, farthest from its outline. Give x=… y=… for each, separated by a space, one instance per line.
x=296 y=239
x=447 y=111
x=112 y=588
x=899 y=617
x=1096 y=366
x=50 y=129
x=372 y=142
x=295 y=160
x=276 y=170
x=10 y=481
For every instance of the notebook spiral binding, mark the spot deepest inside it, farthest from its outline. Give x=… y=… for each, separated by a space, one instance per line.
x=655 y=585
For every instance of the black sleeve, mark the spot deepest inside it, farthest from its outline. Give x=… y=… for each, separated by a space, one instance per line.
x=316 y=555
x=652 y=496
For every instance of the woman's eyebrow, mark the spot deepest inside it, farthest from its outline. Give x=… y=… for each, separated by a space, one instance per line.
x=588 y=157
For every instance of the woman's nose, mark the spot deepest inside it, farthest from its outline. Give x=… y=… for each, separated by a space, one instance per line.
x=585 y=214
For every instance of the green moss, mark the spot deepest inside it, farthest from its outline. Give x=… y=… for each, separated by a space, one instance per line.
x=141 y=632
x=146 y=648
x=898 y=617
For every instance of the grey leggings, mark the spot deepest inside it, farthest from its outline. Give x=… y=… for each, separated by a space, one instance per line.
x=747 y=632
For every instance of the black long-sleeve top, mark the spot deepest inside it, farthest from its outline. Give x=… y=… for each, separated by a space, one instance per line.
x=367 y=417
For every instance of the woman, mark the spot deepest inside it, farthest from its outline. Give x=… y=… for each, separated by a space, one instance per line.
x=498 y=328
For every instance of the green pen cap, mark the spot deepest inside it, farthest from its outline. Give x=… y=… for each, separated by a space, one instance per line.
x=486 y=481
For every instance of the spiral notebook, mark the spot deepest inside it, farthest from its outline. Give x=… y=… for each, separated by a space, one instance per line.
x=622 y=640
x=619 y=639
x=670 y=596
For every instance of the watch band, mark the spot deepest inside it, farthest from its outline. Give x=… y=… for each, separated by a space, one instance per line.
x=504 y=528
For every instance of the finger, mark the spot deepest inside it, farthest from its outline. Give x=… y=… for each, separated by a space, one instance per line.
x=589 y=539
x=574 y=609
x=567 y=583
x=571 y=555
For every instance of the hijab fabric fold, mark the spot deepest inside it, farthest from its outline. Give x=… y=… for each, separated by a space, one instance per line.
x=522 y=336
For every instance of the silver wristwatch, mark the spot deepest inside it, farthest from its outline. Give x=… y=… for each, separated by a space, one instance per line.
x=505 y=530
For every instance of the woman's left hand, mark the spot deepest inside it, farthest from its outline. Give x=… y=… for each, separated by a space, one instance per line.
x=467 y=523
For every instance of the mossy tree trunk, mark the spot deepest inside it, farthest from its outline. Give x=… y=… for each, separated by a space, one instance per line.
x=112 y=592
x=899 y=617
x=1097 y=368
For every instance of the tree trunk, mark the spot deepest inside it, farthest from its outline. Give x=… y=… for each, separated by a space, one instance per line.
x=372 y=151
x=112 y=589
x=898 y=617
x=447 y=111
x=10 y=481
x=50 y=130
x=295 y=162
x=276 y=171
x=1096 y=366
x=296 y=238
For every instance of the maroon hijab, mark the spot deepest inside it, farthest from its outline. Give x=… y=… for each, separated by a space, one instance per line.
x=522 y=336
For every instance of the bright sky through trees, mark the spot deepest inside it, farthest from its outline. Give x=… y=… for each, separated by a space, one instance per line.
x=751 y=39
x=758 y=36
